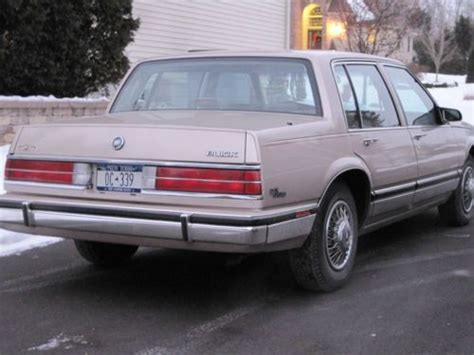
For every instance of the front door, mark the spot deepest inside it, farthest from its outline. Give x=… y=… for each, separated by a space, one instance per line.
x=435 y=144
x=378 y=137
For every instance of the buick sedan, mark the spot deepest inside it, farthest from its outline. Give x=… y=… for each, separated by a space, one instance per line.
x=301 y=152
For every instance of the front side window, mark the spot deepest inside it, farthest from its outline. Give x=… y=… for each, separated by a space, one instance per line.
x=374 y=100
x=419 y=109
x=235 y=84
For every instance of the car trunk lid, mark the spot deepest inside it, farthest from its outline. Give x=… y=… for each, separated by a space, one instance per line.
x=183 y=136
x=140 y=143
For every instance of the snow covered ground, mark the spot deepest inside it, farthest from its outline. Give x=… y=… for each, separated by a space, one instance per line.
x=452 y=97
x=459 y=95
x=15 y=243
x=469 y=92
x=443 y=78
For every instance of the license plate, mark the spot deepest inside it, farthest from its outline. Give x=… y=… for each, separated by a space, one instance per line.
x=119 y=178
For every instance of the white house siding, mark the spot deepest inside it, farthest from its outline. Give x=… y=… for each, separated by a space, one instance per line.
x=177 y=26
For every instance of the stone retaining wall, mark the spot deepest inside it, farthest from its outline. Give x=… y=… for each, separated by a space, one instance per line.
x=21 y=111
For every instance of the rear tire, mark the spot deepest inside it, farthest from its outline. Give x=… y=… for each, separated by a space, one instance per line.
x=459 y=209
x=104 y=254
x=325 y=261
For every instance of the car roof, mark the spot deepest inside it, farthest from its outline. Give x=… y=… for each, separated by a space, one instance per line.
x=317 y=55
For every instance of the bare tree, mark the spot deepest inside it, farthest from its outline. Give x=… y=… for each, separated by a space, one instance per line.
x=462 y=7
x=376 y=26
x=458 y=5
x=467 y=9
x=436 y=38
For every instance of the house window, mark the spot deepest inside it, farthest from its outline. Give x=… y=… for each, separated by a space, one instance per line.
x=312 y=27
x=316 y=11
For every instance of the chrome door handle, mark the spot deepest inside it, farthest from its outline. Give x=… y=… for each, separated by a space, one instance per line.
x=369 y=141
x=419 y=136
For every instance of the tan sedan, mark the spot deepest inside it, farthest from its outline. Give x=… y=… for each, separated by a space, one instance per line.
x=245 y=152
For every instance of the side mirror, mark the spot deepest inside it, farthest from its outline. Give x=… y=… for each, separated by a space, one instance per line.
x=451 y=114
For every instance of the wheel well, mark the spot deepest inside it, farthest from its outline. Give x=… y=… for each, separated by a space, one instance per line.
x=359 y=184
x=471 y=152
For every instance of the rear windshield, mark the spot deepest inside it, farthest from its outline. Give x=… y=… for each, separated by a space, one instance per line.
x=233 y=84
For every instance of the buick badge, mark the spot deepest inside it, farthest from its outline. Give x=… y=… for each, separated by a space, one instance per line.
x=118 y=143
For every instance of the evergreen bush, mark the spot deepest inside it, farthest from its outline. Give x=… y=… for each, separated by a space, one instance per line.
x=63 y=48
x=470 y=68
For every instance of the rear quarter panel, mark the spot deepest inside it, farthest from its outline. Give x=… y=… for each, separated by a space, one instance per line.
x=301 y=169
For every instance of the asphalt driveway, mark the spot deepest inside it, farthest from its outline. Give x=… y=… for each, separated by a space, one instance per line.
x=412 y=292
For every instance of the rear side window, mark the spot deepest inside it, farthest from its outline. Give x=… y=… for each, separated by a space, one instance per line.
x=347 y=97
x=375 y=103
x=419 y=109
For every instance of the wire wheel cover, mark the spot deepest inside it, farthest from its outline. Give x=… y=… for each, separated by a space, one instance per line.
x=467 y=191
x=339 y=234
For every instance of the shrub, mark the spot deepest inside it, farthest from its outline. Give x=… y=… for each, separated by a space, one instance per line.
x=63 y=48
x=470 y=68
x=435 y=85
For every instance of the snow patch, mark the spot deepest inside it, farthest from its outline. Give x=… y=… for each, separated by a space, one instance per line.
x=52 y=98
x=12 y=243
x=58 y=340
x=462 y=273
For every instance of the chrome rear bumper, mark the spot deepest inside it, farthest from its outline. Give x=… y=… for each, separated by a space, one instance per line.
x=185 y=230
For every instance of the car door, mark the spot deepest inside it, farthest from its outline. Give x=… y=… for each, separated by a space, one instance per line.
x=378 y=137
x=437 y=151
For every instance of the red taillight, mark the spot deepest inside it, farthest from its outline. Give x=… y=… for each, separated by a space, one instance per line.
x=238 y=182
x=39 y=171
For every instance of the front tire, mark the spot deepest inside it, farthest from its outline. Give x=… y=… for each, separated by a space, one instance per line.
x=325 y=261
x=104 y=254
x=459 y=209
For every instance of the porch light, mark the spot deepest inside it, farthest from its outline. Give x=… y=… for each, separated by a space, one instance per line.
x=336 y=29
